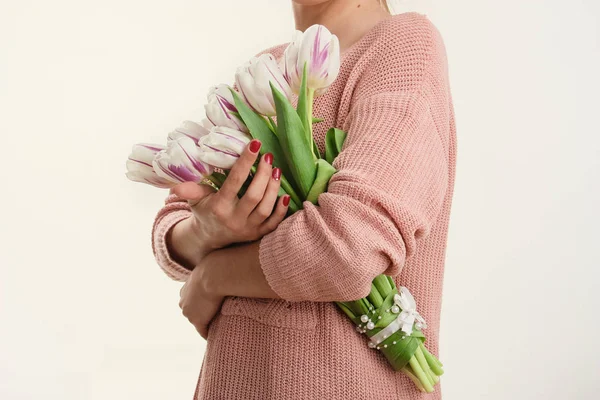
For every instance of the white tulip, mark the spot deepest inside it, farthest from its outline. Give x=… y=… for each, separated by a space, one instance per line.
x=190 y=129
x=181 y=162
x=222 y=146
x=254 y=78
x=319 y=49
x=139 y=165
x=220 y=107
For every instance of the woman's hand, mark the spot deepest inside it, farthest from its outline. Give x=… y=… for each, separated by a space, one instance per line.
x=220 y=218
x=197 y=304
x=232 y=271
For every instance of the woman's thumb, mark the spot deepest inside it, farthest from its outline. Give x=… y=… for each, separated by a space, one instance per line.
x=192 y=191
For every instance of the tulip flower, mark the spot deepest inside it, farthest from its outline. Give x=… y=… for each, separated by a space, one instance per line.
x=181 y=162
x=319 y=50
x=222 y=146
x=254 y=80
x=139 y=165
x=191 y=130
x=221 y=110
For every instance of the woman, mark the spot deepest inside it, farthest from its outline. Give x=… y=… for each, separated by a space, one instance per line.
x=265 y=304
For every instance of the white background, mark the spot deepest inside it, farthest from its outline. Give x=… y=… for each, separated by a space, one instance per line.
x=85 y=313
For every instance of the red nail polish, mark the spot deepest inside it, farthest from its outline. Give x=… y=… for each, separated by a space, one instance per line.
x=276 y=173
x=269 y=158
x=255 y=145
x=286 y=200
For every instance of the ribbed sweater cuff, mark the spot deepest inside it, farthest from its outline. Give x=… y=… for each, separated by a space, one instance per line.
x=171 y=267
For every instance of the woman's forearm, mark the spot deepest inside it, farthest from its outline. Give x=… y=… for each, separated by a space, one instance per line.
x=236 y=271
x=185 y=245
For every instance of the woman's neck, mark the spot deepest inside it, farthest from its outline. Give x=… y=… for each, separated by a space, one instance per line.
x=349 y=20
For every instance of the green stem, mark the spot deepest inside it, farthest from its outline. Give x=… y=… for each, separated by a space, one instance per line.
x=425 y=365
x=414 y=363
x=375 y=296
x=383 y=285
x=346 y=310
x=434 y=363
x=409 y=372
x=392 y=283
x=310 y=98
x=271 y=125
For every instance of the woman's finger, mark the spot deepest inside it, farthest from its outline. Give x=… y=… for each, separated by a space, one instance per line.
x=239 y=172
x=265 y=207
x=256 y=191
x=278 y=215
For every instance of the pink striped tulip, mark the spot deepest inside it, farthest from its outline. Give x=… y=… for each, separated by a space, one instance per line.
x=181 y=162
x=139 y=165
x=254 y=78
x=220 y=109
x=319 y=49
x=222 y=146
x=191 y=130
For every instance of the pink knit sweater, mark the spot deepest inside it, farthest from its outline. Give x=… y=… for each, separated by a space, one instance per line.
x=386 y=211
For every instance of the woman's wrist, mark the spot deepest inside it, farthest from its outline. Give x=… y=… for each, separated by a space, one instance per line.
x=187 y=244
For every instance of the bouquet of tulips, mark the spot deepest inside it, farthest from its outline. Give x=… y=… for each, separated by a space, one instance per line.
x=261 y=108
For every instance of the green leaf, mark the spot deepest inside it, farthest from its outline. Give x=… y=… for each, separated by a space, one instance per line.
x=259 y=129
x=316 y=120
x=324 y=173
x=292 y=136
x=334 y=141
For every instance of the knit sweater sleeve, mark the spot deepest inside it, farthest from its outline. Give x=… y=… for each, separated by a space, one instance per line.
x=174 y=210
x=391 y=181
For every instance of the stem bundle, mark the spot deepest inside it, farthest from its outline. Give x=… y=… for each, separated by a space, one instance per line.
x=406 y=353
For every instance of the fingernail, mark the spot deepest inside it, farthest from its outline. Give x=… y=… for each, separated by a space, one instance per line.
x=286 y=200
x=269 y=158
x=276 y=173
x=255 y=145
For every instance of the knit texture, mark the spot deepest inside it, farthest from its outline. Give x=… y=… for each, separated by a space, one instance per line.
x=386 y=210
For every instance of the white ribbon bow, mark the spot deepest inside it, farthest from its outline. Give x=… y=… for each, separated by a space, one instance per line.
x=409 y=314
x=405 y=320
